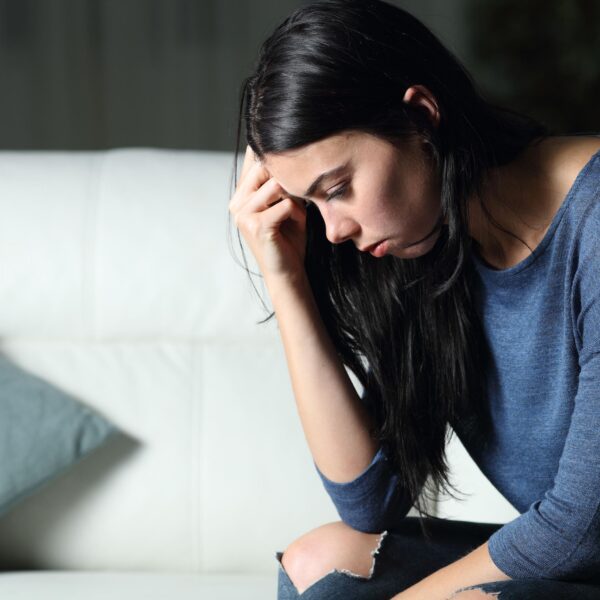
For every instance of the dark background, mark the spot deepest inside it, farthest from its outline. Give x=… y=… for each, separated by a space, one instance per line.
x=95 y=74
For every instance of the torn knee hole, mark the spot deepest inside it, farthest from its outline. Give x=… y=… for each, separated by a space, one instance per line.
x=374 y=553
x=302 y=586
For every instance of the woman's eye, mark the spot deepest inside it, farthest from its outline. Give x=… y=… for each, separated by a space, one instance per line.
x=337 y=193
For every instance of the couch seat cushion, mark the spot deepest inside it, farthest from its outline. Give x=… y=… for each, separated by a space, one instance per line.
x=126 y=585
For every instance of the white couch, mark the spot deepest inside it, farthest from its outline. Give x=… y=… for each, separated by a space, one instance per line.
x=117 y=283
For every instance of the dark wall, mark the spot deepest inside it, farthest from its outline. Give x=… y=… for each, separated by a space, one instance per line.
x=85 y=74
x=541 y=57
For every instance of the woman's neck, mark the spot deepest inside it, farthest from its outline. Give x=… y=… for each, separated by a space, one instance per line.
x=524 y=195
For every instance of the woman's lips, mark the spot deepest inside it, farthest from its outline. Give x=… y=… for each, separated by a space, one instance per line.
x=370 y=247
x=379 y=249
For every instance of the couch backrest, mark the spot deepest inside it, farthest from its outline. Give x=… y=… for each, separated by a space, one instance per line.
x=118 y=285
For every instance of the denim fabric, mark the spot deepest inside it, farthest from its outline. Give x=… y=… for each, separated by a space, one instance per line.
x=405 y=557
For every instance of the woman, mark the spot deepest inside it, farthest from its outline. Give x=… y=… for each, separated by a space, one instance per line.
x=446 y=251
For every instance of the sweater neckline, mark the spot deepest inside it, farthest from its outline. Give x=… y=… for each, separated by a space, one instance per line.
x=500 y=274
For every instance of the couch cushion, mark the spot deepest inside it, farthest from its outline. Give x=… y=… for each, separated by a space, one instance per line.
x=43 y=431
x=124 y=291
x=63 y=585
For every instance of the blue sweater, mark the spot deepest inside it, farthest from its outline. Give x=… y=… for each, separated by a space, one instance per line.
x=541 y=318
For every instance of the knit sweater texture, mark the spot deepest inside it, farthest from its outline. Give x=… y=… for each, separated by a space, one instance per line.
x=541 y=319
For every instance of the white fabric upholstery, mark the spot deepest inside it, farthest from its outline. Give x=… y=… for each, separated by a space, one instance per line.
x=117 y=284
x=58 y=585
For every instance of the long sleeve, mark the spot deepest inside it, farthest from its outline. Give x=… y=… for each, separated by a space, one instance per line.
x=372 y=502
x=558 y=537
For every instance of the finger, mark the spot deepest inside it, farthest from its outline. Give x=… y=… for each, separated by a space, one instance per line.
x=255 y=179
x=252 y=170
x=249 y=160
x=267 y=195
x=270 y=193
x=256 y=176
x=282 y=211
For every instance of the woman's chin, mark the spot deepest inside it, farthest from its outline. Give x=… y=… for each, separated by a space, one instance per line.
x=416 y=250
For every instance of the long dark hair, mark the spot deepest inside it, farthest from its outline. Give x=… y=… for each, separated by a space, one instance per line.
x=407 y=328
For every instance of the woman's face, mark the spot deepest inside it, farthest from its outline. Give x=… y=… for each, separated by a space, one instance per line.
x=378 y=191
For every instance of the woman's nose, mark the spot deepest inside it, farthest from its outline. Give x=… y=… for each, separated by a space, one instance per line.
x=339 y=230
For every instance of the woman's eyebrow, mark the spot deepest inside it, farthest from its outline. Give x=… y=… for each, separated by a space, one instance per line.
x=316 y=184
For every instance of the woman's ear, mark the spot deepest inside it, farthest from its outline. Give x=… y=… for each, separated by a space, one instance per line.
x=419 y=96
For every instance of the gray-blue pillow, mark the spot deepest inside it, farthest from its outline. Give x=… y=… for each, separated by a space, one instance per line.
x=43 y=431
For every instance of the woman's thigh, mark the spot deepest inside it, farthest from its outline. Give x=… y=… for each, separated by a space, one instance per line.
x=403 y=558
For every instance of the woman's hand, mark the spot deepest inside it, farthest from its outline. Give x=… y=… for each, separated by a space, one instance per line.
x=274 y=227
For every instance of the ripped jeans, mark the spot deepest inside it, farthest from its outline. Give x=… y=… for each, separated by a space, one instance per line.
x=403 y=557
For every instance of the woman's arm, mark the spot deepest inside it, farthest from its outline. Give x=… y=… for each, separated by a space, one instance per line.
x=335 y=422
x=367 y=494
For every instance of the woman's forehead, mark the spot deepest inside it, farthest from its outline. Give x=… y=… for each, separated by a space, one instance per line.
x=326 y=150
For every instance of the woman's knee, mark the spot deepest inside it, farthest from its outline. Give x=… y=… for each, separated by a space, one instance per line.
x=328 y=547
